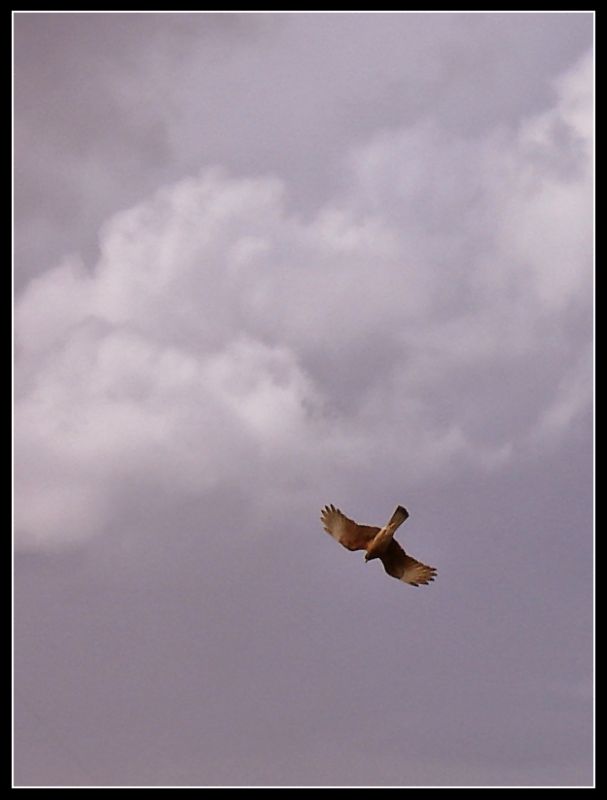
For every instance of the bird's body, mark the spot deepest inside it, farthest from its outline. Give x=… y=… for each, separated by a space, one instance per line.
x=378 y=543
x=381 y=541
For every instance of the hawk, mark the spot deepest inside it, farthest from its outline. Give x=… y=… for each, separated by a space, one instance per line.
x=379 y=543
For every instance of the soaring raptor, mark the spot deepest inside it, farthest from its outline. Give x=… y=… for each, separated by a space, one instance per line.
x=379 y=543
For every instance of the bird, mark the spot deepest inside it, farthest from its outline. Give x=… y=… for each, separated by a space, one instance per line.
x=378 y=543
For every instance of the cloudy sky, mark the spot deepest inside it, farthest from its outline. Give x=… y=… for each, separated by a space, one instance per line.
x=265 y=262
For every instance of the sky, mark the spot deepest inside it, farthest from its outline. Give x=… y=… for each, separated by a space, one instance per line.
x=266 y=262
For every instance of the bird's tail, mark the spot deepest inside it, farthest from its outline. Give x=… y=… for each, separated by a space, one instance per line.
x=397 y=519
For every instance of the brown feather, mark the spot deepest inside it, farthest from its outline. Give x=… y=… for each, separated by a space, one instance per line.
x=396 y=562
x=405 y=568
x=346 y=531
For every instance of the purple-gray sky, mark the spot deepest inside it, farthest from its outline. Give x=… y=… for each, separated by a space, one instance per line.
x=268 y=262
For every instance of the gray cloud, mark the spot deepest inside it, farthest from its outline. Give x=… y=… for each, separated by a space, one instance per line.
x=214 y=316
x=357 y=270
x=109 y=107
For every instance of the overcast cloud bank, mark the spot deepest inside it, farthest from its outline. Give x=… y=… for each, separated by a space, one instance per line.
x=267 y=262
x=221 y=336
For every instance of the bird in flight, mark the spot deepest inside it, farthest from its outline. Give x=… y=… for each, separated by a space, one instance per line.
x=379 y=543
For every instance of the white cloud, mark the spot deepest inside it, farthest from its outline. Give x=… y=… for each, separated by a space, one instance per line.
x=570 y=400
x=53 y=307
x=223 y=339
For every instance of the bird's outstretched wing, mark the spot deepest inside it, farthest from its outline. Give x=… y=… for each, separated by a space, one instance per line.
x=404 y=568
x=346 y=531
